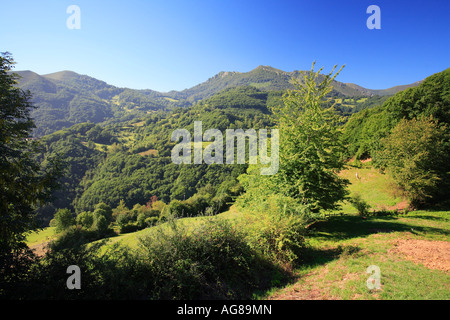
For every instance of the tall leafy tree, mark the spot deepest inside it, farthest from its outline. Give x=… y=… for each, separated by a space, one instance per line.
x=24 y=183
x=310 y=147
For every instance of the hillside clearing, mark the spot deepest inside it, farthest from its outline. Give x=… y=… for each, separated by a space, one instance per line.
x=376 y=189
x=412 y=252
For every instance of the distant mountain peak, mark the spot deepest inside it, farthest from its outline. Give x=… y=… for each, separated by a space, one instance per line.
x=268 y=68
x=62 y=75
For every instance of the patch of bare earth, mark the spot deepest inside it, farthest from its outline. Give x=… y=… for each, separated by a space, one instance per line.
x=400 y=206
x=432 y=254
x=306 y=288
x=40 y=249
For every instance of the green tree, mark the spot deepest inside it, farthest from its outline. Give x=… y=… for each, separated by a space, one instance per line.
x=24 y=183
x=102 y=209
x=310 y=145
x=100 y=224
x=121 y=209
x=416 y=153
x=85 y=219
x=63 y=219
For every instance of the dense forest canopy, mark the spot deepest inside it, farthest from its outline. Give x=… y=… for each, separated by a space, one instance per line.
x=431 y=98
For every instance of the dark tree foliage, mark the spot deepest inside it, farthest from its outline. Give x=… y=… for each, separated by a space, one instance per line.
x=24 y=183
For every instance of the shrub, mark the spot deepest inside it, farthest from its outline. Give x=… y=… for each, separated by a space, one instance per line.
x=179 y=208
x=129 y=227
x=73 y=237
x=104 y=210
x=100 y=224
x=123 y=219
x=416 y=154
x=111 y=274
x=211 y=261
x=277 y=222
x=146 y=220
x=279 y=237
x=360 y=205
x=197 y=204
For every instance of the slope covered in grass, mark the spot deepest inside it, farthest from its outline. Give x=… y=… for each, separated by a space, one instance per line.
x=341 y=249
x=377 y=189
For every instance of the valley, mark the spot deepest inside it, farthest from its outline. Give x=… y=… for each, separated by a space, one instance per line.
x=362 y=179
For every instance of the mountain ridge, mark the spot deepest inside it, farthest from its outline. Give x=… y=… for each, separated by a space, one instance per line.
x=65 y=98
x=65 y=75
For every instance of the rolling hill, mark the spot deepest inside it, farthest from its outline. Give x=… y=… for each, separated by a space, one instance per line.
x=66 y=98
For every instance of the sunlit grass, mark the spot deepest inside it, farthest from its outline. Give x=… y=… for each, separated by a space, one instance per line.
x=375 y=188
x=341 y=249
x=40 y=236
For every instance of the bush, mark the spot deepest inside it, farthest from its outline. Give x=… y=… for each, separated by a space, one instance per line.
x=111 y=274
x=360 y=205
x=278 y=237
x=416 y=154
x=277 y=222
x=213 y=261
x=151 y=221
x=129 y=227
x=197 y=204
x=100 y=225
x=74 y=237
x=179 y=208
x=103 y=210
x=146 y=220
x=123 y=219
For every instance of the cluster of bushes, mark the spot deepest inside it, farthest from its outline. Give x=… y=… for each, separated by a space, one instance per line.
x=214 y=259
x=276 y=227
x=211 y=260
x=105 y=221
x=206 y=200
x=84 y=228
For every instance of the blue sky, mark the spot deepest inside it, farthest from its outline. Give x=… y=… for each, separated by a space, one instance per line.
x=172 y=45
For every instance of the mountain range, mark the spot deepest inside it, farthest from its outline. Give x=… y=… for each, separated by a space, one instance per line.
x=66 y=98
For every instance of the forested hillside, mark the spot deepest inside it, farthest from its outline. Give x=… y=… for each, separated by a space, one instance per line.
x=130 y=160
x=66 y=98
x=408 y=136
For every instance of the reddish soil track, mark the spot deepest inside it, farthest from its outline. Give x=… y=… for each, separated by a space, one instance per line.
x=432 y=254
